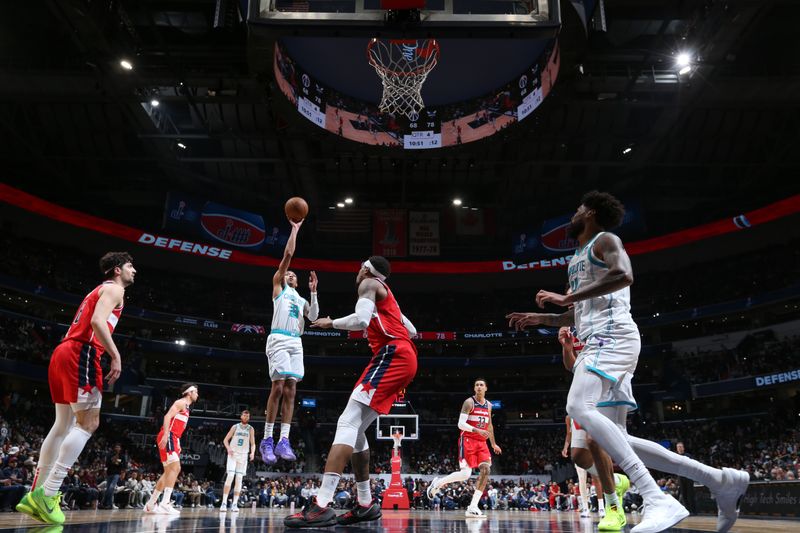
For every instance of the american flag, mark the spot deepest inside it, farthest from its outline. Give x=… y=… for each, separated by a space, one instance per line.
x=346 y=220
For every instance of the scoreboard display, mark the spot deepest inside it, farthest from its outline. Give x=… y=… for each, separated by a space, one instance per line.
x=422 y=130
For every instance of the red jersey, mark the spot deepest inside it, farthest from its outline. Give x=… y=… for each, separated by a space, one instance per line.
x=81 y=328
x=478 y=418
x=178 y=424
x=386 y=324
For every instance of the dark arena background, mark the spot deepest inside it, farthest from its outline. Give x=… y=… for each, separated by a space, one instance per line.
x=456 y=138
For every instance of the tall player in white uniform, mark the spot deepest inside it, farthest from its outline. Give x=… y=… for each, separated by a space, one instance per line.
x=600 y=275
x=240 y=442
x=285 y=350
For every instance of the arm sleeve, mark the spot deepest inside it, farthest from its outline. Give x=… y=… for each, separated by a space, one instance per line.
x=313 y=308
x=409 y=326
x=358 y=320
x=462 y=423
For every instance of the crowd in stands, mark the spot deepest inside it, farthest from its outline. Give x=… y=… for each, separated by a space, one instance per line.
x=247 y=301
x=114 y=472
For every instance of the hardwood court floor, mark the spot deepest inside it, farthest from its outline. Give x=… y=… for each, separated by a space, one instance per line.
x=252 y=520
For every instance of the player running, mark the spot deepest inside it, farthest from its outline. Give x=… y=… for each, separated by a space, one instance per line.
x=475 y=423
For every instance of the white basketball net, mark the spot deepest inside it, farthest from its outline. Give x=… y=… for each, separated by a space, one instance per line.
x=398 y=439
x=403 y=67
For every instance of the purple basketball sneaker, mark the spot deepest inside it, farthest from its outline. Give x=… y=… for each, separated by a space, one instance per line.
x=267 y=453
x=284 y=450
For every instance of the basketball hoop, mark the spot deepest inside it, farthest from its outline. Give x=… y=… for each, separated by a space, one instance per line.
x=403 y=66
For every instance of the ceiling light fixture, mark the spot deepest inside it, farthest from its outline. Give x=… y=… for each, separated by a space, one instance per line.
x=457 y=201
x=348 y=200
x=340 y=204
x=127 y=65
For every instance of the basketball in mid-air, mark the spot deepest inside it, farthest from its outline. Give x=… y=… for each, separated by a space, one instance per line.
x=296 y=209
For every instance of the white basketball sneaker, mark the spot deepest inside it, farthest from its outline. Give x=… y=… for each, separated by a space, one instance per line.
x=235 y=509
x=729 y=495
x=662 y=513
x=150 y=509
x=585 y=513
x=474 y=512
x=167 y=508
x=433 y=488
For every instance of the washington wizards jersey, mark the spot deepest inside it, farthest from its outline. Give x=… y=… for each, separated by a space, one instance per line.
x=81 y=328
x=609 y=314
x=287 y=316
x=478 y=418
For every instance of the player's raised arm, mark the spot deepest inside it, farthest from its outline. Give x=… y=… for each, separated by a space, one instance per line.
x=490 y=429
x=227 y=440
x=568 y=354
x=365 y=306
x=607 y=248
x=288 y=253
x=520 y=321
x=312 y=310
x=111 y=297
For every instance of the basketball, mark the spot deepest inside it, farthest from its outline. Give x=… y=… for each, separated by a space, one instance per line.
x=296 y=209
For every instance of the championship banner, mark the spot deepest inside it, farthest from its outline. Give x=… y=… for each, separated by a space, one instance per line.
x=389 y=232
x=742 y=222
x=423 y=233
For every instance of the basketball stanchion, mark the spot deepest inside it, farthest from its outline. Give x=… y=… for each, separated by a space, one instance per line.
x=396 y=496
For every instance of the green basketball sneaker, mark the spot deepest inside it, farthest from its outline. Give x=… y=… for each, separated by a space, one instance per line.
x=622 y=485
x=614 y=520
x=25 y=506
x=47 y=507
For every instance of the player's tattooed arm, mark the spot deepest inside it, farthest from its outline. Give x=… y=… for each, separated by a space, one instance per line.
x=520 y=321
x=607 y=248
x=368 y=292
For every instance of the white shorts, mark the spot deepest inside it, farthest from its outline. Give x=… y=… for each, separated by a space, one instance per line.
x=237 y=464
x=87 y=400
x=613 y=358
x=285 y=357
x=578 y=439
x=620 y=394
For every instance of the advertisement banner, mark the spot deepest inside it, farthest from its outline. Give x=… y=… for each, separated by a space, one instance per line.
x=389 y=232
x=221 y=223
x=743 y=222
x=423 y=233
x=730 y=386
x=766 y=498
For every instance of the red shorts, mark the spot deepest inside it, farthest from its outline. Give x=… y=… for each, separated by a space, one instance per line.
x=172 y=452
x=473 y=452
x=74 y=371
x=390 y=371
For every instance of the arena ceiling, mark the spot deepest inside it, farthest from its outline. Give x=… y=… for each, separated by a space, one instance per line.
x=74 y=128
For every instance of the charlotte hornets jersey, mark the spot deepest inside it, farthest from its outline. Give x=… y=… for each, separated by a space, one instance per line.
x=240 y=442
x=609 y=314
x=287 y=316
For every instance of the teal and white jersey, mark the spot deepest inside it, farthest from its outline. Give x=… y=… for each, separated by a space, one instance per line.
x=240 y=442
x=287 y=316
x=608 y=315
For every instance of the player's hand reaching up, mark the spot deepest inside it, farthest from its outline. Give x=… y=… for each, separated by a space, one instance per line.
x=296 y=225
x=543 y=297
x=324 y=323
x=520 y=321
x=312 y=281
x=565 y=337
x=497 y=449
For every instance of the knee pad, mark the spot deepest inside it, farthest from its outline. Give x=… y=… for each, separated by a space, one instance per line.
x=237 y=487
x=349 y=425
